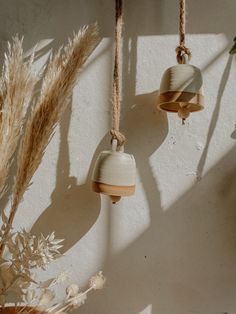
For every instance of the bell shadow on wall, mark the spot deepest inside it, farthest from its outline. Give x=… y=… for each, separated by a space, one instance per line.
x=158 y=265
x=145 y=128
x=74 y=208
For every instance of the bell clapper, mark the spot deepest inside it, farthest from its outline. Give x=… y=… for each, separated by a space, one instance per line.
x=183 y=113
x=115 y=198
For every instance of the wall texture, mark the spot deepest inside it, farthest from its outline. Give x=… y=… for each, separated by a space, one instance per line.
x=171 y=248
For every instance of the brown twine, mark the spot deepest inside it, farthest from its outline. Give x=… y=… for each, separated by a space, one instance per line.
x=117 y=75
x=182 y=51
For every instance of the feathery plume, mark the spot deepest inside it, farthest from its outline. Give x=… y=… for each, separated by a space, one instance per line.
x=58 y=82
x=16 y=89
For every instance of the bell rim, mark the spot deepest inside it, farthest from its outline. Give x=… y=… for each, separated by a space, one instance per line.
x=193 y=107
x=172 y=101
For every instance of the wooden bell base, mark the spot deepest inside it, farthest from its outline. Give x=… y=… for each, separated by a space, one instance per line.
x=114 y=191
x=173 y=101
x=16 y=309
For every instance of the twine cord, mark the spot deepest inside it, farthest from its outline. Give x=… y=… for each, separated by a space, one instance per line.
x=117 y=75
x=182 y=52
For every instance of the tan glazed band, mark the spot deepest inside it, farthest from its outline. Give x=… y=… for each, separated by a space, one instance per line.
x=184 y=97
x=113 y=189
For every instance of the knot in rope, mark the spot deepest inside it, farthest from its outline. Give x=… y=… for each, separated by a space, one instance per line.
x=181 y=53
x=115 y=134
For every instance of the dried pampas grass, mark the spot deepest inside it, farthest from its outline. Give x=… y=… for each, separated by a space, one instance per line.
x=16 y=88
x=58 y=82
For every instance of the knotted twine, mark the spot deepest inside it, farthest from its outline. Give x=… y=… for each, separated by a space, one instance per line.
x=117 y=76
x=182 y=51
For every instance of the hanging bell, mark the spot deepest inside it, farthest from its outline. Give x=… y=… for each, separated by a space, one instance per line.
x=114 y=173
x=181 y=90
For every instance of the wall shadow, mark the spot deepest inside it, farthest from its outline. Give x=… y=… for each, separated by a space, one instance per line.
x=233 y=134
x=184 y=262
x=73 y=207
x=214 y=117
x=171 y=265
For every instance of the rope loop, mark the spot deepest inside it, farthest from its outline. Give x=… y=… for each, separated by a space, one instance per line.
x=182 y=53
x=117 y=135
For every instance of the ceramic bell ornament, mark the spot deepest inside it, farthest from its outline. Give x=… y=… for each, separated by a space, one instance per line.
x=114 y=171
x=181 y=89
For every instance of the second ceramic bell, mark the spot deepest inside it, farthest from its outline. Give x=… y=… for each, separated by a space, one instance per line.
x=181 y=90
x=114 y=174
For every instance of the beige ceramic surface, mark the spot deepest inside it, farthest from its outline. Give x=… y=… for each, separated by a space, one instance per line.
x=181 y=87
x=115 y=168
x=182 y=77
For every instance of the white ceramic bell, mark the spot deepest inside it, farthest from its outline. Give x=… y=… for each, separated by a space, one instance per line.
x=181 y=90
x=114 y=173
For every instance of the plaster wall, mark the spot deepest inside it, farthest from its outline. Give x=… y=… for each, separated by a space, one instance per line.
x=171 y=248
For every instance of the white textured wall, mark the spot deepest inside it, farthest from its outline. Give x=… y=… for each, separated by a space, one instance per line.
x=171 y=248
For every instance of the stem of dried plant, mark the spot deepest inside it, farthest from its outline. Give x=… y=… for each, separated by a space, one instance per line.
x=16 y=89
x=58 y=82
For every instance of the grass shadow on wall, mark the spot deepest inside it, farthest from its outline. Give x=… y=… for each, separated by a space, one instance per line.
x=74 y=208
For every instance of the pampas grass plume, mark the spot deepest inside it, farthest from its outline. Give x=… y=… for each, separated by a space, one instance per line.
x=59 y=79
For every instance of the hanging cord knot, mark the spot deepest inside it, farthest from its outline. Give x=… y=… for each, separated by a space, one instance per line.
x=182 y=53
x=115 y=134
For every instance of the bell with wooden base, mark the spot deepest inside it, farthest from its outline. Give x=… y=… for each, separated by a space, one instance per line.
x=181 y=90
x=114 y=173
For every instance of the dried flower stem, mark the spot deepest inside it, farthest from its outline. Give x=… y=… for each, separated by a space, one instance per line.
x=58 y=82
x=60 y=307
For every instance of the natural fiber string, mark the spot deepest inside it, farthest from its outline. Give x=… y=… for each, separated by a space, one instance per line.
x=182 y=51
x=117 y=75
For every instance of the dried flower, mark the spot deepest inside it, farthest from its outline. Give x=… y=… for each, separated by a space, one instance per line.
x=72 y=290
x=75 y=298
x=46 y=297
x=79 y=300
x=97 y=281
x=62 y=277
x=27 y=252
